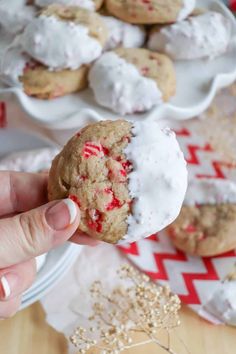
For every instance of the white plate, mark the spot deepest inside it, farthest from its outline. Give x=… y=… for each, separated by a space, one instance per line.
x=44 y=284
x=197 y=83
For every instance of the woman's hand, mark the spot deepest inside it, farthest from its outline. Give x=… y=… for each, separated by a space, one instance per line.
x=28 y=228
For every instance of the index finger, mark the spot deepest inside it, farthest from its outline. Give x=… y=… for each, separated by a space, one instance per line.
x=21 y=191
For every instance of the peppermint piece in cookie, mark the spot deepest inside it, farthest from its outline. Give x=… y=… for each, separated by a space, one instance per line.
x=17 y=69
x=81 y=33
x=15 y=15
x=132 y=80
x=91 y=5
x=207 y=221
x=205 y=35
x=150 y=11
x=129 y=179
x=122 y=34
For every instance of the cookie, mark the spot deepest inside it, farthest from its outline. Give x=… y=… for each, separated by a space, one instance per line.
x=91 y=5
x=15 y=15
x=122 y=34
x=201 y=36
x=206 y=224
x=150 y=11
x=19 y=70
x=129 y=179
x=131 y=80
x=39 y=82
x=206 y=230
x=82 y=37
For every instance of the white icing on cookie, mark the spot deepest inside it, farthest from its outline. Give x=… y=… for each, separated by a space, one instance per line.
x=122 y=34
x=85 y=4
x=29 y=161
x=41 y=37
x=15 y=15
x=223 y=303
x=158 y=181
x=12 y=65
x=210 y=191
x=187 y=9
x=119 y=86
x=206 y=35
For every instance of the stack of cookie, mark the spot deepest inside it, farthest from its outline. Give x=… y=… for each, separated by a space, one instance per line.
x=70 y=45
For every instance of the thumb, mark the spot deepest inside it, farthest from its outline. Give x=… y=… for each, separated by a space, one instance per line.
x=30 y=234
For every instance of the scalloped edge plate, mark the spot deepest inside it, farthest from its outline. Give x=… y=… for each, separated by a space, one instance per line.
x=197 y=84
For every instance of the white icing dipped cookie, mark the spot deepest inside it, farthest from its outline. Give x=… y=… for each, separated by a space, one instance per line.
x=91 y=5
x=150 y=11
x=207 y=221
x=82 y=35
x=122 y=34
x=29 y=161
x=201 y=36
x=15 y=15
x=132 y=80
x=129 y=179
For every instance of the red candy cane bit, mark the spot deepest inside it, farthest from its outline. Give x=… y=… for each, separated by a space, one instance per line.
x=144 y=70
x=94 y=149
x=3 y=115
x=115 y=203
x=78 y=134
x=190 y=228
x=75 y=199
x=95 y=223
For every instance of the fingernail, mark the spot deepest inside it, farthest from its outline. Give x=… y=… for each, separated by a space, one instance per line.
x=62 y=214
x=8 y=284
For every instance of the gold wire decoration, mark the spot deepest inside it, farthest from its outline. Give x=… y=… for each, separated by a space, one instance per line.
x=141 y=306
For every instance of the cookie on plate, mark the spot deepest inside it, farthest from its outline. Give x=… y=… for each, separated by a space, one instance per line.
x=129 y=179
x=207 y=222
x=131 y=80
x=91 y=5
x=82 y=36
x=201 y=36
x=150 y=11
x=19 y=70
x=123 y=34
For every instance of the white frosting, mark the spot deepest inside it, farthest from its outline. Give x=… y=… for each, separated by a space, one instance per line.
x=210 y=191
x=206 y=35
x=223 y=303
x=29 y=161
x=59 y=44
x=15 y=15
x=119 y=86
x=12 y=66
x=85 y=4
x=122 y=34
x=158 y=181
x=187 y=9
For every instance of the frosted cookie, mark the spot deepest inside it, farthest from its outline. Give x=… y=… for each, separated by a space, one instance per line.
x=19 y=70
x=150 y=11
x=15 y=15
x=207 y=221
x=222 y=303
x=132 y=80
x=81 y=32
x=122 y=34
x=29 y=160
x=91 y=5
x=129 y=179
x=205 y=35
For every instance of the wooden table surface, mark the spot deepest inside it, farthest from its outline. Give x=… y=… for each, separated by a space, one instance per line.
x=28 y=333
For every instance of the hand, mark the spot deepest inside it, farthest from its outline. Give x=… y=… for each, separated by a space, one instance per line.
x=28 y=228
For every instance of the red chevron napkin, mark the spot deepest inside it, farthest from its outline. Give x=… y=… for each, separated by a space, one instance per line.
x=194 y=279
